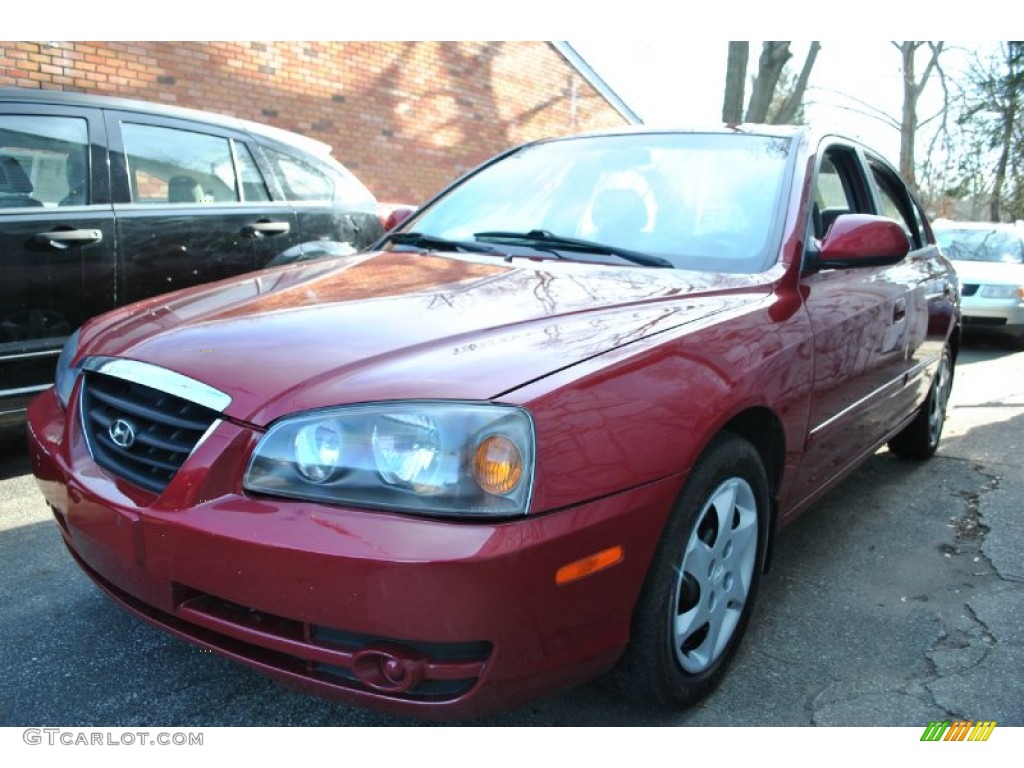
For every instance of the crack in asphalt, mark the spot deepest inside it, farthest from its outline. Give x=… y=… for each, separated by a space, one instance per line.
x=963 y=642
x=966 y=647
x=987 y=636
x=968 y=527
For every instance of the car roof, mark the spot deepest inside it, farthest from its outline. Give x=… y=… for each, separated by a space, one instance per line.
x=88 y=100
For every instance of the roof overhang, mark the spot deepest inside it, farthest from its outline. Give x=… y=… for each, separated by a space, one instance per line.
x=580 y=64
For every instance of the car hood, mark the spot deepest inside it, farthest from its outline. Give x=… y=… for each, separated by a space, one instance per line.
x=989 y=272
x=397 y=325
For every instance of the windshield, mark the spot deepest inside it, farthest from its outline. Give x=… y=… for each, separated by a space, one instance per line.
x=981 y=245
x=699 y=201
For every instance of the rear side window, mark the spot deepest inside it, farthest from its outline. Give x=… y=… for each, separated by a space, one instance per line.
x=169 y=165
x=43 y=161
x=303 y=181
x=300 y=180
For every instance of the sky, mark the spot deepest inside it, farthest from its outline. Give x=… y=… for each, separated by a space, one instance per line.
x=684 y=84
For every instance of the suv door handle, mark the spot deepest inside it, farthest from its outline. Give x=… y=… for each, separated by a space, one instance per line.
x=266 y=228
x=66 y=238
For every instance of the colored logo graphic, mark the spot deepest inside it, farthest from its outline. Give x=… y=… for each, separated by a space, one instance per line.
x=961 y=730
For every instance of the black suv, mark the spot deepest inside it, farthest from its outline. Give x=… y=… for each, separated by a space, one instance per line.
x=105 y=201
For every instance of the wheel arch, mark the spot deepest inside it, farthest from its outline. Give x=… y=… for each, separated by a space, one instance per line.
x=954 y=343
x=763 y=429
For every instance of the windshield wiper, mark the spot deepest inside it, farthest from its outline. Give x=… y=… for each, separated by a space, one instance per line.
x=434 y=243
x=544 y=238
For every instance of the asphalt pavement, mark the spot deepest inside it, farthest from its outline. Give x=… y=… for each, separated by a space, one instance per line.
x=896 y=600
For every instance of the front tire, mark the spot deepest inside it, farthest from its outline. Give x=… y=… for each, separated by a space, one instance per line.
x=700 y=588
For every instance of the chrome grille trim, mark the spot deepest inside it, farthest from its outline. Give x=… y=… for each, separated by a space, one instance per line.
x=162 y=379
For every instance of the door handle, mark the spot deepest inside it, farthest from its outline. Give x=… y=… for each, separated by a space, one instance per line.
x=66 y=238
x=266 y=228
x=899 y=310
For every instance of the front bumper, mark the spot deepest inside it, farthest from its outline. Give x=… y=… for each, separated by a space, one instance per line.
x=408 y=615
x=1002 y=315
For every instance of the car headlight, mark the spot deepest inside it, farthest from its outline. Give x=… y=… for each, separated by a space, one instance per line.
x=433 y=458
x=66 y=375
x=1002 y=291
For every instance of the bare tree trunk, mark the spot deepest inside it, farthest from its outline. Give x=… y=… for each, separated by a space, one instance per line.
x=735 y=82
x=912 y=90
x=774 y=55
x=996 y=204
x=792 y=103
x=908 y=123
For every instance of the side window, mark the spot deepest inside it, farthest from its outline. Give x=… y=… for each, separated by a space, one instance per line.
x=169 y=165
x=299 y=179
x=920 y=219
x=839 y=189
x=44 y=161
x=254 y=188
x=894 y=202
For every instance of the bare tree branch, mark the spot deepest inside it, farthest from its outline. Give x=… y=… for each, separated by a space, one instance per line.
x=869 y=110
x=936 y=49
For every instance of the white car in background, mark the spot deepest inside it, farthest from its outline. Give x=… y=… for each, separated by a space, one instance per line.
x=989 y=259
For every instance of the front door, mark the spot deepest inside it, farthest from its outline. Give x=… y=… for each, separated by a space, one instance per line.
x=57 y=241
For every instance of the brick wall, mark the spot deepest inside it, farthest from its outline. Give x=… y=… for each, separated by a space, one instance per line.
x=406 y=117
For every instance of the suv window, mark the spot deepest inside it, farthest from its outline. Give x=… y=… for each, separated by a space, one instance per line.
x=300 y=180
x=43 y=161
x=253 y=185
x=170 y=165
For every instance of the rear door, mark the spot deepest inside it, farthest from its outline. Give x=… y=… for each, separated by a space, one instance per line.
x=57 y=240
x=191 y=204
x=330 y=203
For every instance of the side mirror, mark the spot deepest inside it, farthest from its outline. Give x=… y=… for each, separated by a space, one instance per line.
x=863 y=240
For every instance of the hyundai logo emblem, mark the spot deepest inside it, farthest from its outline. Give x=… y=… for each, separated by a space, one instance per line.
x=122 y=433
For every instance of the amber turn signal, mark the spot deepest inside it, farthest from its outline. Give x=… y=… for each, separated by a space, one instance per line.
x=498 y=465
x=579 y=569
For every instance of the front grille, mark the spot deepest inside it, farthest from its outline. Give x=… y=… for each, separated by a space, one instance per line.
x=969 y=289
x=140 y=433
